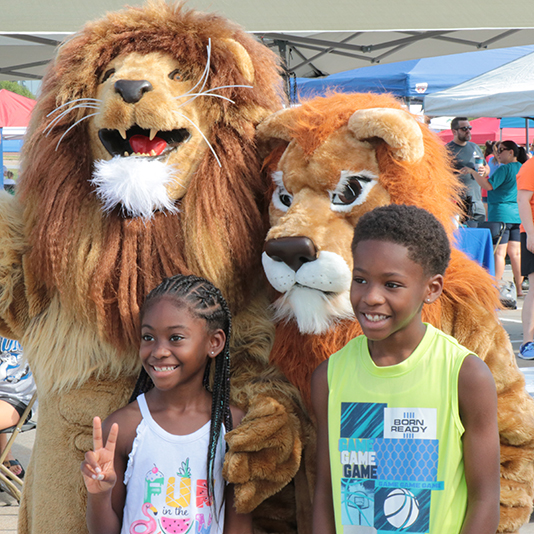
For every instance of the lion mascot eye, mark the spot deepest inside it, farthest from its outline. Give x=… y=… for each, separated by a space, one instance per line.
x=350 y=192
x=108 y=74
x=285 y=198
x=176 y=75
x=282 y=200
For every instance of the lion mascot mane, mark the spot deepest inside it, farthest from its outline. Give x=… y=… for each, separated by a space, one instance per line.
x=331 y=160
x=140 y=162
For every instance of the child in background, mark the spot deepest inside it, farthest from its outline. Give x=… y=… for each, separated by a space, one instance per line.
x=407 y=417
x=163 y=471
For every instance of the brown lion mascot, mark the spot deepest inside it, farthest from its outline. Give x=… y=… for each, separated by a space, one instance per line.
x=331 y=160
x=140 y=162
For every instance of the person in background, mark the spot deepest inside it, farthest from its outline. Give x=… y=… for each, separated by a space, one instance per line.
x=525 y=202
x=16 y=390
x=490 y=155
x=502 y=207
x=468 y=161
x=491 y=159
x=488 y=149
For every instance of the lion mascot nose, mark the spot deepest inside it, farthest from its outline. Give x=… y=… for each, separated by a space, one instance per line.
x=293 y=251
x=132 y=91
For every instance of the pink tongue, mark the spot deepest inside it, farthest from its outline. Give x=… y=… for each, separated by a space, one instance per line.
x=143 y=145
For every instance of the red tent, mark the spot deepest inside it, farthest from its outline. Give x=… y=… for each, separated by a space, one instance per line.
x=488 y=129
x=15 y=109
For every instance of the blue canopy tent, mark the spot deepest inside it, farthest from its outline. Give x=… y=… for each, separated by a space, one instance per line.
x=414 y=78
x=517 y=122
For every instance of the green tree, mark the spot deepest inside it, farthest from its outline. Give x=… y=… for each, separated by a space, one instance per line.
x=16 y=87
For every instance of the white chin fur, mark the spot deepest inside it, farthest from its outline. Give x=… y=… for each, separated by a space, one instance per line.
x=136 y=184
x=321 y=297
x=314 y=311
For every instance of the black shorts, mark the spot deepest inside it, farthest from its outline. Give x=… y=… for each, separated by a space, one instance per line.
x=527 y=258
x=511 y=233
x=19 y=406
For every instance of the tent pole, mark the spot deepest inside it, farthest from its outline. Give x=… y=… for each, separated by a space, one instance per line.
x=526 y=132
x=283 y=53
x=1 y=159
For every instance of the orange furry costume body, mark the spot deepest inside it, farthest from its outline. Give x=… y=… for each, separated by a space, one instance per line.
x=331 y=160
x=140 y=148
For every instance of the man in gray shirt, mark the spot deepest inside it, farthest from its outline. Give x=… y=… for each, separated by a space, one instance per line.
x=465 y=153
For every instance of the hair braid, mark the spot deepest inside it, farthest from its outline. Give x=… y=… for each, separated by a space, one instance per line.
x=206 y=302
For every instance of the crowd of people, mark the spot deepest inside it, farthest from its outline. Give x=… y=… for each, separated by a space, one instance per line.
x=498 y=187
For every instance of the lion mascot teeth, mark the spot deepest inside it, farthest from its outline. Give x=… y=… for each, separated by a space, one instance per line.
x=140 y=163
x=330 y=161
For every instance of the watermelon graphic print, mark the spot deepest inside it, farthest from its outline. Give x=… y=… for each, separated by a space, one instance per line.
x=389 y=459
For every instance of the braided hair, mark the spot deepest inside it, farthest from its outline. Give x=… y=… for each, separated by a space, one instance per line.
x=206 y=302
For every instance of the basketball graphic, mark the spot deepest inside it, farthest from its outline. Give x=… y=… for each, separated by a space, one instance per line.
x=401 y=508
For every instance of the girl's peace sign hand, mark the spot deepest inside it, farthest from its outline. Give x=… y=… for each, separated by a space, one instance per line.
x=97 y=468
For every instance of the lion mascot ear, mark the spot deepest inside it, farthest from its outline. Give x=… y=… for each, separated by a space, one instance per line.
x=274 y=131
x=244 y=62
x=397 y=128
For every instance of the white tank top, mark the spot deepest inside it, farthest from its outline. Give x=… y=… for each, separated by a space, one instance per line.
x=166 y=481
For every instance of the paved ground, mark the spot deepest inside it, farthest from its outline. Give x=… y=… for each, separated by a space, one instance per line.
x=511 y=320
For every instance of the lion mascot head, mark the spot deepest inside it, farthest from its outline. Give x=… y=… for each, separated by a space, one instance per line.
x=141 y=162
x=331 y=160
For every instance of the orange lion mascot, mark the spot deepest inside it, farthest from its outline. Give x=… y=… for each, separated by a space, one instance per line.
x=331 y=160
x=140 y=162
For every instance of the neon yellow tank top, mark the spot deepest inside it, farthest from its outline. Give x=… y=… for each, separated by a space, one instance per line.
x=395 y=439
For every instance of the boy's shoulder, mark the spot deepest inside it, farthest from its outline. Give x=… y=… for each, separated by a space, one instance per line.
x=354 y=345
x=437 y=336
x=348 y=352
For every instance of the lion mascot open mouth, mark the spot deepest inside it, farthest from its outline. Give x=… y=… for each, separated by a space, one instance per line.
x=140 y=162
x=330 y=161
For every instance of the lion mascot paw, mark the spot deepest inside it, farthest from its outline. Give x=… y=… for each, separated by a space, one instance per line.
x=331 y=160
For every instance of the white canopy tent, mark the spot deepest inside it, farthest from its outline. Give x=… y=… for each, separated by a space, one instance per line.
x=507 y=91
x=315 y=37
x=14 y=133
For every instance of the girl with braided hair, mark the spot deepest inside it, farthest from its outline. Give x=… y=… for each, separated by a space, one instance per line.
x=163 y=471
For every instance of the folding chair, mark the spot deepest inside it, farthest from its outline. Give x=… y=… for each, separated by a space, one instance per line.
x=496 y=229
x=8 y=479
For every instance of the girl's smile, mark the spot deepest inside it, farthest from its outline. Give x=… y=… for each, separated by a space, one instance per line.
x=164 y=369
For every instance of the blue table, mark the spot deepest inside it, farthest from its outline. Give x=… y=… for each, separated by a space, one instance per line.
x=478 y=245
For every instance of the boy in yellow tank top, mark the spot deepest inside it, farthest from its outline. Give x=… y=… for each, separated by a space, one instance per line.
x=407 y=417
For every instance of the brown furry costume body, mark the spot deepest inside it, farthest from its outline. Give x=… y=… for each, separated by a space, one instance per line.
x=331 y=160
x=78 y=252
